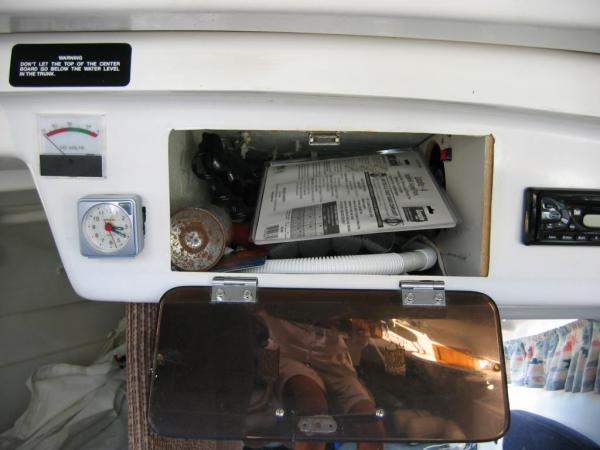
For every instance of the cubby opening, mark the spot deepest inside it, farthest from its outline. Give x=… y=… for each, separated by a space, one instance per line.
x=231 y=186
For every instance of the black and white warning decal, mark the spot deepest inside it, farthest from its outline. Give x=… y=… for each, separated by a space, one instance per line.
x=70 y=65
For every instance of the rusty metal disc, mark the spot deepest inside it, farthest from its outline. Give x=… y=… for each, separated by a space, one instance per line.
x=198 y=239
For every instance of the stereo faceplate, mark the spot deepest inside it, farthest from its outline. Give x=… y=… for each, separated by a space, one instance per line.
x=562 y=216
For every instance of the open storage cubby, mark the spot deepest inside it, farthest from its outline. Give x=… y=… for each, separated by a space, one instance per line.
x=462 y=166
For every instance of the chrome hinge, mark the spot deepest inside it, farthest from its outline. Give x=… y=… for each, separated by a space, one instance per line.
x=233 y=290
x=423 y=293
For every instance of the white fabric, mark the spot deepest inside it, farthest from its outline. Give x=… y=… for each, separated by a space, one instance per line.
x=75 y=407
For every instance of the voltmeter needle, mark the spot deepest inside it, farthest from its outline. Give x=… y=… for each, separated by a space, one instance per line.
x=55 y=146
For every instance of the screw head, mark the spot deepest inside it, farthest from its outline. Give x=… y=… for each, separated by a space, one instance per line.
x=439 y=297
x=247 y=295
x=380 y=413
x=410 y=297
x=220 y=294
x=279 y=412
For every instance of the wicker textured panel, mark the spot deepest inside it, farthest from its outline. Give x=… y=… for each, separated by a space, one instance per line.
x=141 y=330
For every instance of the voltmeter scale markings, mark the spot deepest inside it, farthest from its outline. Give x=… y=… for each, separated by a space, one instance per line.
x=70 y=137
x=71 y=145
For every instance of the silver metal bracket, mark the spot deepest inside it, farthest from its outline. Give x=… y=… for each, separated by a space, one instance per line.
x=315 y=138
x=423 y=293
x=233 y=290
x=310 y=425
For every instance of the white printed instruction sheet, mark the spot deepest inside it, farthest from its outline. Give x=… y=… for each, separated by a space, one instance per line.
x=349 y=196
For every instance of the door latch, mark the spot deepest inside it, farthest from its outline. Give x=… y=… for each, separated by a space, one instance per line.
x=315 y=138
x=310 y=425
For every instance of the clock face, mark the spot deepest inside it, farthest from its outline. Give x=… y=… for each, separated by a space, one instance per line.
x=106 y=227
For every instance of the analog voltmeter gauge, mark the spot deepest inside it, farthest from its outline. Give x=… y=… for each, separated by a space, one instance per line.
x=111 y=225
x=71 y=135
x=72 y=145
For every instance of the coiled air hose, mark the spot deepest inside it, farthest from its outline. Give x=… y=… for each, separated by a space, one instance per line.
x=383 y=264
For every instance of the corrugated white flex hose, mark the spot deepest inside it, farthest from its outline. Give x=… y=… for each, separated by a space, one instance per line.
x=383 y=264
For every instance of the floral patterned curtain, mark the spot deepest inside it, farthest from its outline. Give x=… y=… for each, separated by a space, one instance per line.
x=565 y=358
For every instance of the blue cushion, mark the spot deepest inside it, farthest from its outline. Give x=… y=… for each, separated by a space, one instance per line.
x=533 y=432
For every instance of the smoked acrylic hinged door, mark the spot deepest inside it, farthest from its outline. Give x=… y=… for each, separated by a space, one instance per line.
x=328 y=365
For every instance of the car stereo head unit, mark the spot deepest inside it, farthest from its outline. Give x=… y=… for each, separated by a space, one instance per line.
x=562 y=216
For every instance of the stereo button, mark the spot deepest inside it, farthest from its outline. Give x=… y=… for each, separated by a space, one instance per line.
x=581 y=237
x=551 y=215
x=551 y=237
x=567 y=237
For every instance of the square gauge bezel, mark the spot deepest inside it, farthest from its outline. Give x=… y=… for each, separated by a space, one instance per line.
x=136 y=215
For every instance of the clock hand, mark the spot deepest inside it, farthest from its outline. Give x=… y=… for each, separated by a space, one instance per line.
x=115 y=229
x=113 y=238
x=120 y=233
x=108 y=228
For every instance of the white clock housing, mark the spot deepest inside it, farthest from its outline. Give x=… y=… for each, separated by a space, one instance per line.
x=110 y=225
